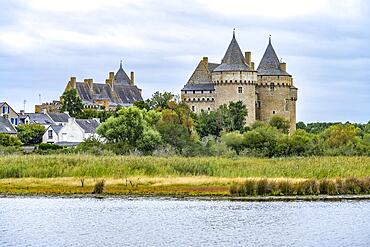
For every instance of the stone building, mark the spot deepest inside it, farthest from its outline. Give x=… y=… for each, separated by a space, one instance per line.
x=266 y=91
x=118 y=90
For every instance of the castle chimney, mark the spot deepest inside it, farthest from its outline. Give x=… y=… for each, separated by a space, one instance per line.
x=282 y=67
x=72 y=82
x=205 y=61
x=252 y=65
x=111 y=76
x=132 y=78
x=248 y=58
x=110 y=83
x=89 y=83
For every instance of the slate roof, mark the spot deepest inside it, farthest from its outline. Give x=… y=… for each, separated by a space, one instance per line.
x=201 y=74
x=6 y=127
x=121 y=94
x=233 y=59
x=121 y=77
x=88 y=125
x=198 y=87
x=56 y=128
x=59 y=117
x=270 y=64
x=40 y=118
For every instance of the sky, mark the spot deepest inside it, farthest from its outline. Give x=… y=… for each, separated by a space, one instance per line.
x=326 y=45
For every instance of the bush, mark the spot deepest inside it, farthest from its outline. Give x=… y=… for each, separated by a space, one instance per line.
x=30 y=133
x=9 y=140
x=49 y=146
x=99 y=187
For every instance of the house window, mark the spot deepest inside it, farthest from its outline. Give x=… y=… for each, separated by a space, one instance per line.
x=193 y=108
x=12 y=120
x=272 y=86
x=286 y=108
x=50 y=134
x=5 y=110
x=240 y=89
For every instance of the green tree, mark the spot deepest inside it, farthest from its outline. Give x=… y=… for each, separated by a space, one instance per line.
x=9 y=140
x=30 y=134
x=149 y=141
x=262 y=141
x=340 y=135
x=234 y=140
x=237 y=113
x=127 y=127
x=71 y=102
x=159 y=101
x=301 y=125
x=142 y=105
x=280 y=123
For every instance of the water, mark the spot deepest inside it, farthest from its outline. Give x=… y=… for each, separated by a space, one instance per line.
x=170 y=222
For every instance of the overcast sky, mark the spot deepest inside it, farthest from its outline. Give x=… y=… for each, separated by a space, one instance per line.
x=326 y=45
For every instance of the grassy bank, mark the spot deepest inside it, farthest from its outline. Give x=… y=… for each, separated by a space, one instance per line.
x=203 y=176
x=51 y=166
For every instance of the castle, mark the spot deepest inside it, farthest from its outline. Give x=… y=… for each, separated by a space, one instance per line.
x=118 y=90
x=266 y=92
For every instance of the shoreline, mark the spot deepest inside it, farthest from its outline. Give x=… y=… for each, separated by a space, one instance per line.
x=330 y=198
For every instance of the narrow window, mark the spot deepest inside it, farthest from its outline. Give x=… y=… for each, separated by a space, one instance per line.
x=193 y=108
x=209 y=108
x=50 y=134
x=273 y=112
x=240 y=89
x=258 y=104
x=286 y=105
x=272 y=86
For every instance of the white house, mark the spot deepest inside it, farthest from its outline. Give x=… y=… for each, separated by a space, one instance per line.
x=72 y=133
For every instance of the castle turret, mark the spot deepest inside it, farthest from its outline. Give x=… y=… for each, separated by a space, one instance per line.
x=235 y=80
x=276 y=94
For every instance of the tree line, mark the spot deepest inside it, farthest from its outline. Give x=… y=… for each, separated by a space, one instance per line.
x=162 y=125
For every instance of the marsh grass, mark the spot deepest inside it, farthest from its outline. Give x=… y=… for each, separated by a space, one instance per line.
x=289 y=187
x=77 y=165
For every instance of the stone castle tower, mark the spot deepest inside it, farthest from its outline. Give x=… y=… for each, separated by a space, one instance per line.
x=266 y=91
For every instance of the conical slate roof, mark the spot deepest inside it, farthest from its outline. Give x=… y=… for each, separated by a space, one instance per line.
x=121 y=76
x=233 y=59
x=270 y=64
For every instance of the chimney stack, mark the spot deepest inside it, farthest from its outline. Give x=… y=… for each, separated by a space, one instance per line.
x=282 y=67
x=132 y=78
x=72 y=82
x=111 y=76
x=205 y=61
x=248 y=58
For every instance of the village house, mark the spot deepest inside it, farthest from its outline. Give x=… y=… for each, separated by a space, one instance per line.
x=72 y=133
x=9 y=113
x=6 y=127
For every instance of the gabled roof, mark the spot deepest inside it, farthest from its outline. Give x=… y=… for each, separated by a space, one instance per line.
x=56 y=128
x=59 y=117
x=270 y=64
x=40 y=118
x=201 y=74
x=88 y=125
x=121 y=76
x=122 y=94
x=6 y=127
x=233 y=59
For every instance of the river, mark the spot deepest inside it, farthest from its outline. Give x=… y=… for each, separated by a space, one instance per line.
x=43 y=221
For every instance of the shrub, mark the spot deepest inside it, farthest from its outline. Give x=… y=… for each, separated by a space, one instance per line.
x=9 y=140
x=99 y=187
x=49 y=146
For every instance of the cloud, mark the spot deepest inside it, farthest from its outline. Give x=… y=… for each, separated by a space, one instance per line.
x=325 y=43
